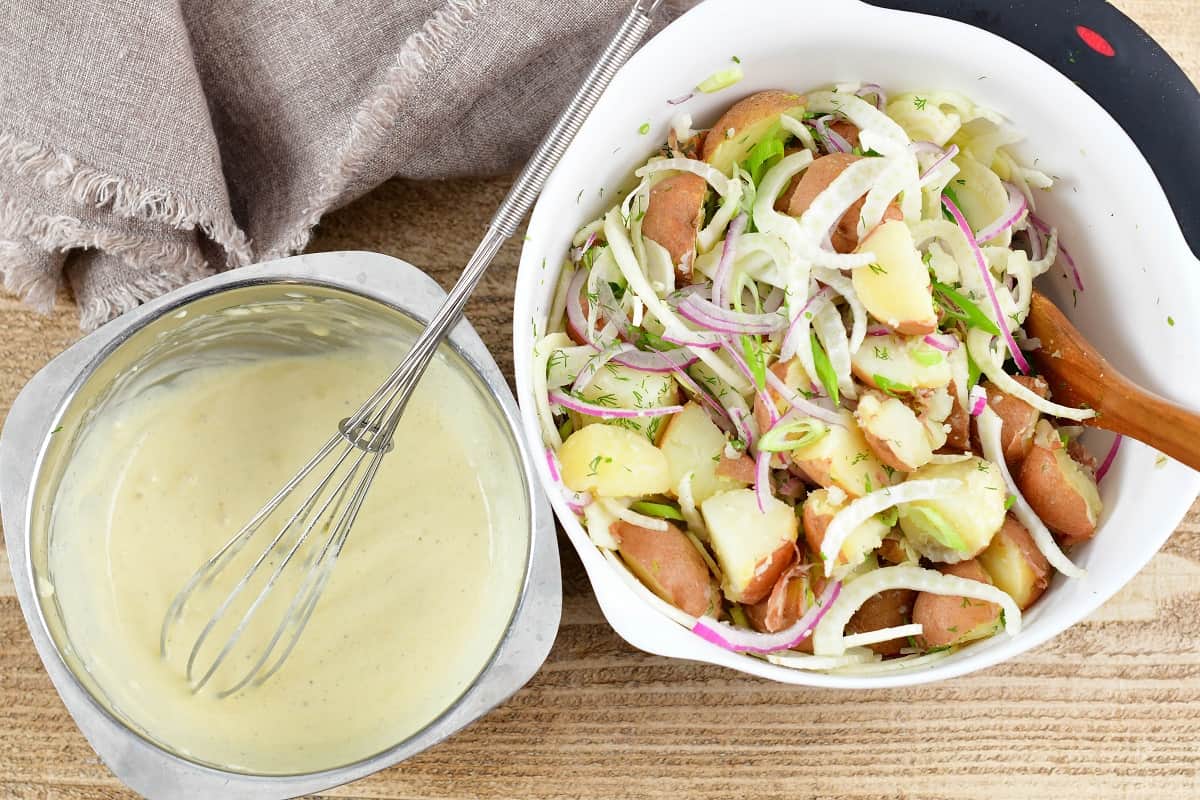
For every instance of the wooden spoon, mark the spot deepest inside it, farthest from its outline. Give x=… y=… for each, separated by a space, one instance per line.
x=1081 y=377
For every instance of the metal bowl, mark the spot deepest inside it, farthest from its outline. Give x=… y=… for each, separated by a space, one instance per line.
x=362 y=289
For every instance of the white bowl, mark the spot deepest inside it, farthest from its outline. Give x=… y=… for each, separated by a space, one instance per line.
x=1109 y=207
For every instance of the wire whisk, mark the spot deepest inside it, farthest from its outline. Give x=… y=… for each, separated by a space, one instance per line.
x=303 y=539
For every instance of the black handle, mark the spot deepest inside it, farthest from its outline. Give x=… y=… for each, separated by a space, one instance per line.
x=1108 y=56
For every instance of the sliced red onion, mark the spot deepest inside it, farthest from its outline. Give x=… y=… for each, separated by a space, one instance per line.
x=716 y=411
x=707 y=315
x=945 y=342
x=744 y=368
x=1017 y=206
x=724 y=271
x=578 y=253
x=560 y=398
x=1109 y=457
x=834 y=142
x=1037 y=248
x=683 y=98
x=1044 y=228
x=762 y=480
x=879 y=330
x=576 y=317
x=744 y=431
x=596 y=363
x=742 y=640
x=655 y=361
x=577 y=501
x=985 y=273
x=946 y=155
x=552 y=463
x=802 y=404
x=610 y=310
x=813 y=303
x=924 y=147
x=875 y=89
x=977 y=400
x=707 y=341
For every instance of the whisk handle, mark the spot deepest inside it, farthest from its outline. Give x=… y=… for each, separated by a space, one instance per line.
x=533 y=177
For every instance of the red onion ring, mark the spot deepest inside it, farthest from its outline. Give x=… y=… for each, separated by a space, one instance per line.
x=834 y=142
x=683 y=98
x=802 y=405
x=552 y=463
x=945 y=342
x=576 y=317
x=875 y=89
x=977 y=400
x=715 y=410
x=655 y=361
x=724 y=271
x=1044 y=228
x=740 y=640
x=1109 y=457
x=946 y=155
x=594 y=364
x=1017 y=206
x=985 y=273
x=788 y=347
x=707 y=315
x=560 y=398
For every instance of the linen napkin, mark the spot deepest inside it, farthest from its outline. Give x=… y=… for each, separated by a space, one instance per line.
x=147 y=144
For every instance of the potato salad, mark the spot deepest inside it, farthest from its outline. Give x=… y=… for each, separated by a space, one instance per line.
x=783 y=381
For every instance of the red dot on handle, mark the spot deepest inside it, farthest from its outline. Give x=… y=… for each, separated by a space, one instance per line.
x=1095 y=41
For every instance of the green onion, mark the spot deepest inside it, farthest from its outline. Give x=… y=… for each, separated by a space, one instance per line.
x=973 y=372
x=644 y=129
x=721 y=79
x=738 y=616
x=566 y=429
x=966 y=311
x=1009 y=501
x=649 y=340
x=755 y=360
x=926 y=356
x=779 y=439
x=889 y=386
x=825 y=370
x=949 y=192
x=941 y=530
x=768 y=148
x=889 y=517
x=661 y=510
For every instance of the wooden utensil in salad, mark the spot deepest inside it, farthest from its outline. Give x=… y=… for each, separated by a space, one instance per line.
x=1079 y=376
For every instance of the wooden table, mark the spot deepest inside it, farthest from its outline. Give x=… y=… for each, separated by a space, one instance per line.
x=1109 y=709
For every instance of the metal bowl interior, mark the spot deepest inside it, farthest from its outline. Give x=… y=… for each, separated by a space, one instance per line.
x=250 y=316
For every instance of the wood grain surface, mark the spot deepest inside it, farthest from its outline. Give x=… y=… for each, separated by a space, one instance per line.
x=1110 y=709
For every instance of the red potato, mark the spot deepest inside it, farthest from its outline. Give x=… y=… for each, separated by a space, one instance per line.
x=1018 y=419
x=796 y=199
x=893 y=432
x=885 y=610
x=674 y=217
x=1060 y=491
x=847 y=130
x=895 y=289
x=745 y=123
x=842 y=458
x=786 y=603
x=792 y=374
x=740 y=469
x=950 y=619
x=893 y=551
x=669 y=565
x=818 y=512
x=1015 y=564
x=752 y=548
x=958 y=437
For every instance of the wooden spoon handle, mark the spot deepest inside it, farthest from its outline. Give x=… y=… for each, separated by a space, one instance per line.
x=1079 y=376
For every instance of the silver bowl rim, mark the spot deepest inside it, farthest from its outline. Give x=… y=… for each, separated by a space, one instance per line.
x=143 y=764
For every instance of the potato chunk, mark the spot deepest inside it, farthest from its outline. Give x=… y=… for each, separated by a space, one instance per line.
x=1018 y=419
x=613 y=462
x=895 y=289
x=951 y=620
x=752 y=548
x=745 y=124
x=1058 y=489
x=894 y=433
x=819 y=510
x=796 y=199
x=842 y=458
x=787 y=602
x=617 y=386
x=669 y=565
x=958 y=527
x=887 y=609
x=674 y=217
x=1015 y=564
x=693 y=443
x=900 y=364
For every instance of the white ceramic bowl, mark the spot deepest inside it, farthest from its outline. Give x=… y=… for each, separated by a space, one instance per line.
x=1109 y=207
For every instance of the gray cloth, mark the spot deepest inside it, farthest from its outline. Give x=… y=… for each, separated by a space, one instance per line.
x=146 y=143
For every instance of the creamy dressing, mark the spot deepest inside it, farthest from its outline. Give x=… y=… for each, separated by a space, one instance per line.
x=416 y=604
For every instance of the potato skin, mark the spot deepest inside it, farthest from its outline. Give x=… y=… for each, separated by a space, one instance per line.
x=747 y=112
x=1018 y=419
x=1015 y=564
x=740 y=469
x=674 y=217
x=958 y=437
x=785 y=604
x=668 y=564
x=1054 y=486
x=884 y=610
x=950 y=619
x=796 y=199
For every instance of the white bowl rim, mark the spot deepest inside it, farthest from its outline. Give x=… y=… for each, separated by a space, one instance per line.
x=624 y=601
